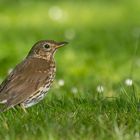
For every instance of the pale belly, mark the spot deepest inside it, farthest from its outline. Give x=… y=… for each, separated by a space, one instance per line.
x=37 y=98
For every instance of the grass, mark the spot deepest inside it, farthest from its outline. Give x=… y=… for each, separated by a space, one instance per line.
x=75 y=118
x=103 y=52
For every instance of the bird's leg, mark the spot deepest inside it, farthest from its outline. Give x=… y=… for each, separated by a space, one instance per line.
x=23 y=107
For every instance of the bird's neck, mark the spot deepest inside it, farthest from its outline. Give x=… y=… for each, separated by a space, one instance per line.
x=49 y=57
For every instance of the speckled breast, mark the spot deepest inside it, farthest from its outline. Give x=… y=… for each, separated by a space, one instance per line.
x=42 y=91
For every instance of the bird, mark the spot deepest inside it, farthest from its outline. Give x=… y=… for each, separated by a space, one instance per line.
x=30 y=80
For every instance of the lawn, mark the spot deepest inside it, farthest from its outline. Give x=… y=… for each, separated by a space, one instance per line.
x=96 y=92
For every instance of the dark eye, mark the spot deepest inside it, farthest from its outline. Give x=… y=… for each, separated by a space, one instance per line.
x=47 y=46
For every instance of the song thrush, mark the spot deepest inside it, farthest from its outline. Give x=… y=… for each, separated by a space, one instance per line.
x=31 y=79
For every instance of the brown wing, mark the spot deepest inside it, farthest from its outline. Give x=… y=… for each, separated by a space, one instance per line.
x=24 y=81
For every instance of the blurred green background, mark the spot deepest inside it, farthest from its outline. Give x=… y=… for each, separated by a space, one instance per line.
x=103 y=54
x=103 y=38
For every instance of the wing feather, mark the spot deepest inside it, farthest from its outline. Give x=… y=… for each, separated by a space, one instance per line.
x=24 y=81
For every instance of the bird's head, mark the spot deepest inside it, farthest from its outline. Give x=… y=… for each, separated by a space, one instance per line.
x=45 y=49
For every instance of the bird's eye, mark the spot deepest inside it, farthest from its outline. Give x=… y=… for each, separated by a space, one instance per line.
x=47 y=46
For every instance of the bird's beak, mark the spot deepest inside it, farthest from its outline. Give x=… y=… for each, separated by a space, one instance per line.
x=60 y=44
